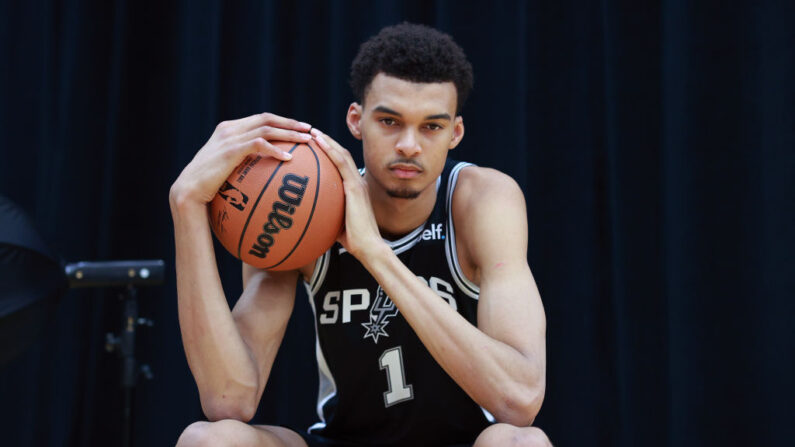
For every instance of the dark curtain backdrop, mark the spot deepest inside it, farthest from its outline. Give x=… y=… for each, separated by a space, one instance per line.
x=654 y=142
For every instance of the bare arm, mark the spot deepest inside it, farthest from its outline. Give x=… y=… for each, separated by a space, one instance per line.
x=501 y=363
x=230 y=353
x=510 y=311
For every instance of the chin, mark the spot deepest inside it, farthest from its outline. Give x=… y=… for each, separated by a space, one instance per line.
x=403 y=193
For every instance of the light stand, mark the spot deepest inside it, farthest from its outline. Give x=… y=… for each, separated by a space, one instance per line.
x=127 y=274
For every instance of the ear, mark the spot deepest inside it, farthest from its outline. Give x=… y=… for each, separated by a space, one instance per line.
x=354 y=120
x=458 y=132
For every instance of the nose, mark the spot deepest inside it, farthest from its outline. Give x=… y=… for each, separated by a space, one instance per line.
x=408 y=145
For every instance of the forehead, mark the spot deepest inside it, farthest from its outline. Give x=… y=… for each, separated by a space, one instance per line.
x=406 y=97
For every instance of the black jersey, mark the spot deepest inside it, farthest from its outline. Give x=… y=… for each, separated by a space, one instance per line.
x=379 y=385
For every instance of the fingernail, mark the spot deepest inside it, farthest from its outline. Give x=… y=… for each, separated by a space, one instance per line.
x=315 y=133
x=287 y=155
x=304 y=125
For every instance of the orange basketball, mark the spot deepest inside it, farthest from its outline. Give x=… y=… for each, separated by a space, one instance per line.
x=280 y=215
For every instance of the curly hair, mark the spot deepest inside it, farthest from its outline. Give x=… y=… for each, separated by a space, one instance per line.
x=415 y=53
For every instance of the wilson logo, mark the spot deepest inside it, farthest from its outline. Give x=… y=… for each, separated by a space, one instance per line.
x=291 y=193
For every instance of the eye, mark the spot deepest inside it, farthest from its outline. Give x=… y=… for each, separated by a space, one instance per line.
x=388 y=121
x=434 y=126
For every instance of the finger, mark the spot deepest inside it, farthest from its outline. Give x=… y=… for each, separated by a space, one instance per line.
x=333 y=154
x=275 y=134
x=330 y=143
x=346 y=154
x=286 y=123
x=262 y=146
x=341 y=157
x=349 y=159
x=318 y=136
x=262 y=119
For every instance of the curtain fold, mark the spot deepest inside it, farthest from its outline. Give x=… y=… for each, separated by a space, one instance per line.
x=654 y=142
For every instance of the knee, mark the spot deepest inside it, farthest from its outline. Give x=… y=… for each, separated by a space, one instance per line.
x=509 y=435
x=206 y=434
x=194 y=435
x=535 y=437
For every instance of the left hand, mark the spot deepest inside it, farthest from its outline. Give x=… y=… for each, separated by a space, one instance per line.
x=361 y=236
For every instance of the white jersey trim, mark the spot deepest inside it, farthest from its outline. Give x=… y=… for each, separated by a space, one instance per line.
x=402 y=244
x=488 y=415
x=327 y=388
x=319 y=274
x=466 y=286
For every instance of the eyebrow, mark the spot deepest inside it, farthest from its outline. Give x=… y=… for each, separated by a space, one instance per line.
x=438 y=116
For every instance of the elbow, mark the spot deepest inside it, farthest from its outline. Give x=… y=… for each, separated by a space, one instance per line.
x=176 y=196
x=519 y=406
x=223 y=406
x=181 y=198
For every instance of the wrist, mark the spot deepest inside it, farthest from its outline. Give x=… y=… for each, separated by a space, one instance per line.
x=375 y=253
x=182 y=201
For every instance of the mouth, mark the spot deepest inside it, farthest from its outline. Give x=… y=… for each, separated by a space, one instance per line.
x=405 y=170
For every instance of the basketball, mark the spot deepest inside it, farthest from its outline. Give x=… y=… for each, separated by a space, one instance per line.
x=280 y=215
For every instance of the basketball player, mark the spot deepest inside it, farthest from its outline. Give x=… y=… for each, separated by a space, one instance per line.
x=430 y=328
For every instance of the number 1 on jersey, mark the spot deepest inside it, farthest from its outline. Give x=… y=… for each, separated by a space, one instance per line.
x=392 y=361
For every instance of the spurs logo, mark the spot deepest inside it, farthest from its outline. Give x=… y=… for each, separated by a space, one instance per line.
x=380 y=312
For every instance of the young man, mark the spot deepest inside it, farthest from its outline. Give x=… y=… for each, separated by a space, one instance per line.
x=429 y=323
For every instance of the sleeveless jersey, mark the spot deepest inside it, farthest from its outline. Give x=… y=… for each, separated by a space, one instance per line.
x=379 y=385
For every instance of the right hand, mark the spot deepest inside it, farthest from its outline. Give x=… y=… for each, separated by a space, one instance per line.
x=360 y=236
x=231 y=142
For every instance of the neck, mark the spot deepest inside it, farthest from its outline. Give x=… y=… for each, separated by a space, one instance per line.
x=397 y=217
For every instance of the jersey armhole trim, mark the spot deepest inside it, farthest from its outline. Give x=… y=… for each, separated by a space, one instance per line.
x=319 y=275
x=327 y=386
x=466 y=286
x=489 y=416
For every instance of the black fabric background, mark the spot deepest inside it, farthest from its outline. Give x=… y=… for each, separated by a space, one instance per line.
x=654 y=142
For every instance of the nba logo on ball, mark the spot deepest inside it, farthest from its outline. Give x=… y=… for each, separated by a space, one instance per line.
x=233 y=196
x=297 y=211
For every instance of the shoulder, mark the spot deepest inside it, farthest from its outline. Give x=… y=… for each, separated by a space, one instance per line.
x=490 y=218
x=478 y=186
